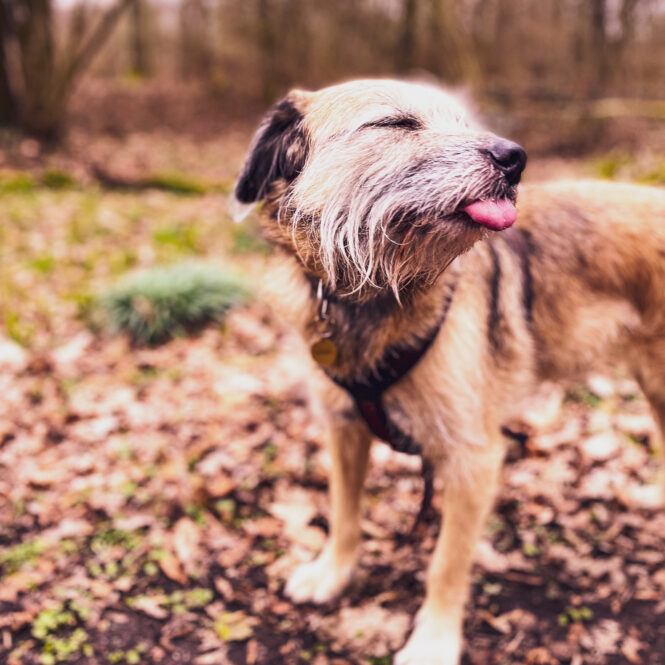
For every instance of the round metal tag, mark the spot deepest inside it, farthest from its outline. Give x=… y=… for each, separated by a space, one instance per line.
x=324 y=352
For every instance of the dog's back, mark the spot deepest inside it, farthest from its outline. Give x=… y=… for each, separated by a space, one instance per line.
x=597 y=252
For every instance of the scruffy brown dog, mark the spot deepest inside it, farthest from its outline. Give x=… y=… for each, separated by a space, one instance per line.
x=387 y=204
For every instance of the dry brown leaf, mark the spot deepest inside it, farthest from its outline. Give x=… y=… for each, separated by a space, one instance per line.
x=171 y=567
x=19 y=582
x=16 y=620
x=507 y=622
x=630 y=648
x=266 y=527
x=216 y=657
x=220 y=485
x=150 y=606
x=224 y=588
x=252 y=652
x=369 y=629
x=186 y=540
x=540 y=656
x=235 y=626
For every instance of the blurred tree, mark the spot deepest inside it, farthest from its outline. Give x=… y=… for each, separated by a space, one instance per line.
x=608 y=51
x=195 y=38
x=267 y=42
x=406 y=52
x=450 y=54
x=35 y=80
x=138 y=38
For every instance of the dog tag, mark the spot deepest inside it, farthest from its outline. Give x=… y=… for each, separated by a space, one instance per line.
x=324 y=352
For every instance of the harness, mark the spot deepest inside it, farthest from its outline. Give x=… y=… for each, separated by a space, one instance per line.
x=367 y=392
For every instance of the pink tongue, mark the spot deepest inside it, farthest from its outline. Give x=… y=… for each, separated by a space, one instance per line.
x=495 y=215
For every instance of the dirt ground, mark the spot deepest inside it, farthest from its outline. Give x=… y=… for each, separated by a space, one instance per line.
x=153 y=501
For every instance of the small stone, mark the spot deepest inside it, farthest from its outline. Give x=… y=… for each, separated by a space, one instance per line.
x=600 y=385
x=13 y=357
x=601 y=447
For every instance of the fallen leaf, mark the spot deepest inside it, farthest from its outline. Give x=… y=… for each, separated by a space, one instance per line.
x=235 y=626
x=186 y=541
x=630 y=649
x=216 y=657
x=171 y=567
x=150 y=606
x=220 y=486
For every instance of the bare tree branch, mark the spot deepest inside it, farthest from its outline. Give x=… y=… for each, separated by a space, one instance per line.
x=91 y=46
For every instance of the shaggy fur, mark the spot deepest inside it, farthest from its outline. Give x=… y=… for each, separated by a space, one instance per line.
x=364 y=187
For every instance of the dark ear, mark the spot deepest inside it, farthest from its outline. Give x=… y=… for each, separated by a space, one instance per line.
x=279 y=150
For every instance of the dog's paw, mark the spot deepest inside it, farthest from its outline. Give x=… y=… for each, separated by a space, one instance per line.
x=431 y=643
x=319 y=581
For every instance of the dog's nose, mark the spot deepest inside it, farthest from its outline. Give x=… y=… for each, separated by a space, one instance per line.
x=510 y=158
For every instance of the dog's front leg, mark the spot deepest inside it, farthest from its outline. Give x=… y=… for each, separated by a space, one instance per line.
x=326 y=576
x=468 y=497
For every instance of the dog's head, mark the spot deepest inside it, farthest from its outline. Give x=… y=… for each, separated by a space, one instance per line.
x=377 y=185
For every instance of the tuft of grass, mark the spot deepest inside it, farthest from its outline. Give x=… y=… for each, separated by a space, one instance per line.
x=177 y=183
x=57 y=179
x=583 y=395
x=16 y=183
x=43 y=264
x=574 y=615
x=655 y=176
x=14 y=557
x=244 y=241
x=158 y=304
x=608 y=166
x=181 y=237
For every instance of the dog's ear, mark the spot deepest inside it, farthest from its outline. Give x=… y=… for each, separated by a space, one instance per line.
x=278 y=151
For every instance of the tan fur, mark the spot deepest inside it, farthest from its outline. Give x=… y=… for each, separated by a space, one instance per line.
x=597 y=259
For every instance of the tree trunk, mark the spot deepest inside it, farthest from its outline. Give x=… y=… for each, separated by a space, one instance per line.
x=37 y=91
x=38 y=110
x=138 y=46
x=268 y=46
x=407 y=44
x=8 y=101
x=194 y=35
x=599 y=46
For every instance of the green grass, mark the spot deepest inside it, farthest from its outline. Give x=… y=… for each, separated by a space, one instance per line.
x=57 y=179
x=13 y=558
x=155 y=305
x=608 y=166
x=654 y=176
x=61 y=247
x=245 y=240
x=16 y=183
x=61 y=641
x=177 y=183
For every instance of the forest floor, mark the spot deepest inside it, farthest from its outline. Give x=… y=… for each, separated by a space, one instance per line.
x=153 y=501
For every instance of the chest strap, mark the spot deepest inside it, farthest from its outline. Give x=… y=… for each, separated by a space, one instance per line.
x=367 y=393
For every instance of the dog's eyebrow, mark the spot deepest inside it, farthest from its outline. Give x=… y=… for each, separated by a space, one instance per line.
x=402 y=121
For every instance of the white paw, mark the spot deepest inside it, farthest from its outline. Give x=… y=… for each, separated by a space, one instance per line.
x=319 y=581
x=431 y=643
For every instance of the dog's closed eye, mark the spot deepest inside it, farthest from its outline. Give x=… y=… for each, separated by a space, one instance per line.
x=404 y=121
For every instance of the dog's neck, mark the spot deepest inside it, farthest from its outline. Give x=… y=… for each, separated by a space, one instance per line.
x=363 y=331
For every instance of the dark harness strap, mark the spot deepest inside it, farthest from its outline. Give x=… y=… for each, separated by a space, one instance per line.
x=367 y=393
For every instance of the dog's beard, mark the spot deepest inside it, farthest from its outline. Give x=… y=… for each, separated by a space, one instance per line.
x=390 y=231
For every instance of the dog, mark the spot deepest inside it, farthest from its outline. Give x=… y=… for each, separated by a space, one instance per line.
x=391 y=208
